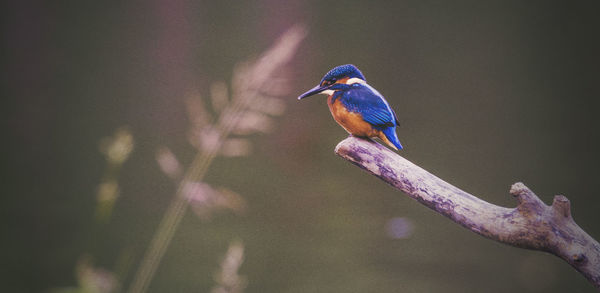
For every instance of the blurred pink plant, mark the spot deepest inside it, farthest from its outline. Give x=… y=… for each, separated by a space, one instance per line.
x=227 y=278
x=222 y=130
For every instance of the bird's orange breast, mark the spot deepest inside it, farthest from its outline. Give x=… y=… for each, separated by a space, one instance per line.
x=352 y=122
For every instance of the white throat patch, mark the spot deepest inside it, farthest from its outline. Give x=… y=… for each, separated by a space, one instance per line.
x=355 y=80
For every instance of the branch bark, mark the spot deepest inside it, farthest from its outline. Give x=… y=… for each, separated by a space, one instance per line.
x=531 y=225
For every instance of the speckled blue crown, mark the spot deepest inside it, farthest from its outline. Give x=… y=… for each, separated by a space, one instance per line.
x=347 y=70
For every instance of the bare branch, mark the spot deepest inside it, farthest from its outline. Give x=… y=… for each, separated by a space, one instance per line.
x=532 y=224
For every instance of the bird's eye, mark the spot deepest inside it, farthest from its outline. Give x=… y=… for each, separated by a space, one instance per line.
x=328 y=82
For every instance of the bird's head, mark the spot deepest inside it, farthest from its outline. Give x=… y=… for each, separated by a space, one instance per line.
x=336 y=79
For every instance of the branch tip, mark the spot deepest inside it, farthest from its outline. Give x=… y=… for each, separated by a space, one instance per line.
x=523 y=194
x=518 y=189
x=562 y=205
x=340 y=145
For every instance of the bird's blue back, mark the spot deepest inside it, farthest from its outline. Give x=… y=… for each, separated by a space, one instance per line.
x=363 y=99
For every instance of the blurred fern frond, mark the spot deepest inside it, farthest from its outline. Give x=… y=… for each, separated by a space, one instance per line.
x=248 y=109
x=227 y=278
x=92 y=279
x=116 y=150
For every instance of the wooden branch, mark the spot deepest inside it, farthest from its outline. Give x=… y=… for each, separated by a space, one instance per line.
x=531 y=225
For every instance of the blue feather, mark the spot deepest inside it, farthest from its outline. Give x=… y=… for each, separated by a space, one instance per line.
x=370 y=104
x=347 y=70
x=390 y=133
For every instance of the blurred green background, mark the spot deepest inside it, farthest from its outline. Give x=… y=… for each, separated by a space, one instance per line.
x=487 y=93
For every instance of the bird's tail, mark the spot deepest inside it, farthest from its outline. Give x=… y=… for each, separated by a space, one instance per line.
x=390 y=138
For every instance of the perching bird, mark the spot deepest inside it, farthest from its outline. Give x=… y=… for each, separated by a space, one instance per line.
x=356 y=106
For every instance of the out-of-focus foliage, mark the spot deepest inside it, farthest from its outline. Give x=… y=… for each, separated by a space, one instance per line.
x=250 y=85
x=116 y=150
x=91 y=279
x=228 y=279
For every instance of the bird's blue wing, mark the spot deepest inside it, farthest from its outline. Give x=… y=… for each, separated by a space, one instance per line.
x=395 y=117
x=370 y=104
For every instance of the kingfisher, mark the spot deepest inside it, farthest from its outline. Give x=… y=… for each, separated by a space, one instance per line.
x=356 y=106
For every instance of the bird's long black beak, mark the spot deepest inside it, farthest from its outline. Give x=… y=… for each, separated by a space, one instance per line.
x=313 y=91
